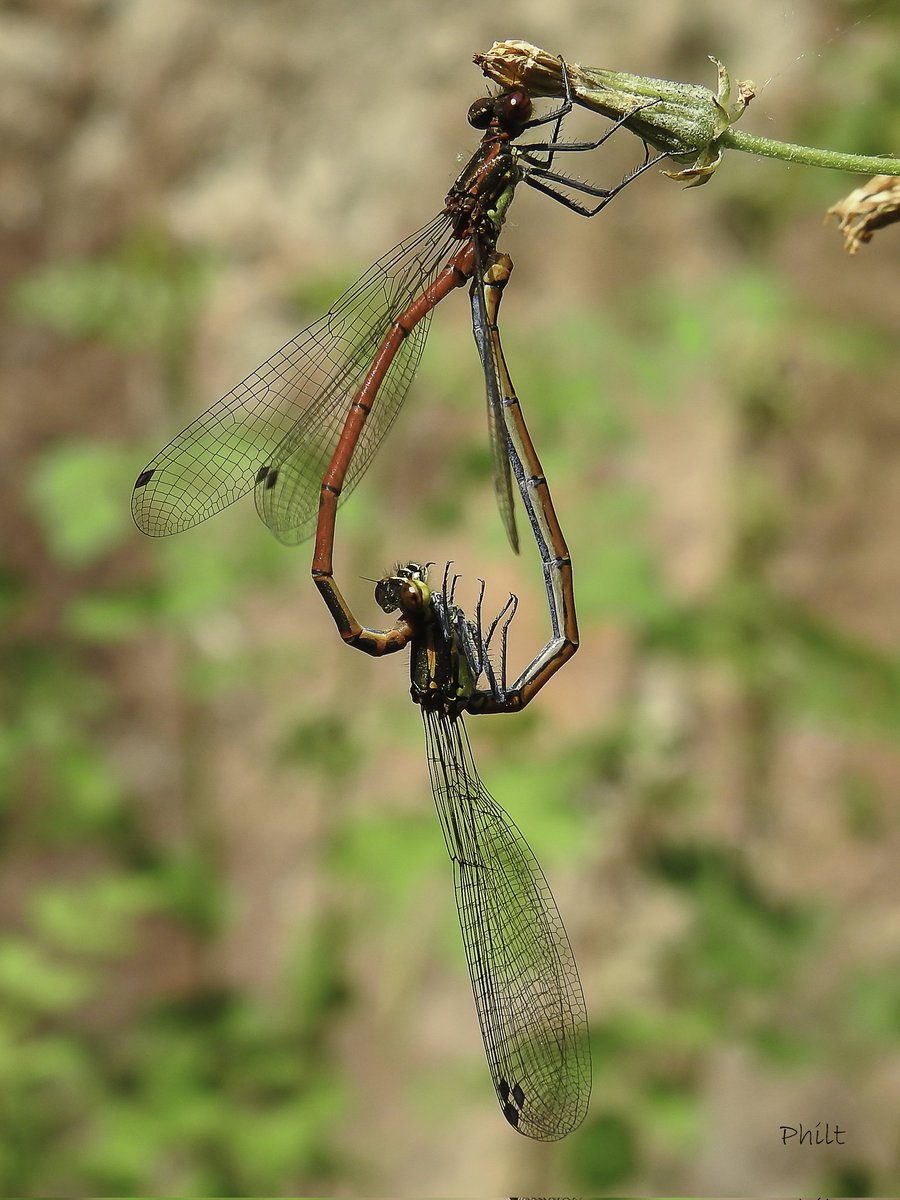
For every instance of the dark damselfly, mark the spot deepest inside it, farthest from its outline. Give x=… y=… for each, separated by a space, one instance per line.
x=524 y=979
x=306 y=423
x=525 y=983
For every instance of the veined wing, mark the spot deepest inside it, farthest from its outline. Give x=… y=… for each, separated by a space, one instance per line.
x=298 y=397
x=527 y=991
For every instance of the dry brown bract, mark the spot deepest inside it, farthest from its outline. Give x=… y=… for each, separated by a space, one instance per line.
x=867 y=208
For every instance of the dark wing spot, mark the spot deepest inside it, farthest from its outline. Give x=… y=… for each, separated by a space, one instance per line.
x=262 y=473
x=512 y=1115
x=518 y=1095
x=503 y=1089
x=143 y=479
x=271 y=479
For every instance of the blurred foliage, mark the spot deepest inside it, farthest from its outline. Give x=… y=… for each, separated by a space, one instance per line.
x=78 y=534
x=145 y=295
x=210 y=1089
x=215 y=1092
x=605 y=1154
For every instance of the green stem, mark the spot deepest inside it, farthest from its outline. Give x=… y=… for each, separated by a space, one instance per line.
x=811 y=156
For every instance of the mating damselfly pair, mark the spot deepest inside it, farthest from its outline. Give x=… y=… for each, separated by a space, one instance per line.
x=300 y=431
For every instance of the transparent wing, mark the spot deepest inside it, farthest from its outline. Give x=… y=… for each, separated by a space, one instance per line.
x=527 y=991
x=296 y=401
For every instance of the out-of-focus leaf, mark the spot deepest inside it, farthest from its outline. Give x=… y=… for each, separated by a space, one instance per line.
x=391 y=855
x=144 y=294
x=30 y=978
x=674 y=1114
x=103 y=617
x=83 y=790
x=874 y=1005
x=78 y=492
x=604 y=1152
x=326 y=742
x=93 y=916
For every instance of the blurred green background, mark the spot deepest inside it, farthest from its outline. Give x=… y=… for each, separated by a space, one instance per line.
x=229 y=960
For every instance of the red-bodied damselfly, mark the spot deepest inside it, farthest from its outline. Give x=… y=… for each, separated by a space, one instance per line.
x=319 y=408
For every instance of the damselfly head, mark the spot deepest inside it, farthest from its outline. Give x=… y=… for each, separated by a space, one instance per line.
x=406 y=589
x=508 y=110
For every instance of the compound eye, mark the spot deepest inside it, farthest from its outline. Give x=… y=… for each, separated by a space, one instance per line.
x=386 y=595
x=410 y=598
x=514 y=108
x=481 y=113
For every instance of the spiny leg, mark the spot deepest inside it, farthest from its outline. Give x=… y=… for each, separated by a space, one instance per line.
x=541 y=181
x=553 y=147
x=502 y=621
x=526 y=466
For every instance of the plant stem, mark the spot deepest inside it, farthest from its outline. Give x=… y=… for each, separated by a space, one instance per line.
x=812 y=156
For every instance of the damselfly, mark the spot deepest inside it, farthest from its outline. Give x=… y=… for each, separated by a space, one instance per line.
x=526 y=987
x=527 y=992
x=310 y=411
